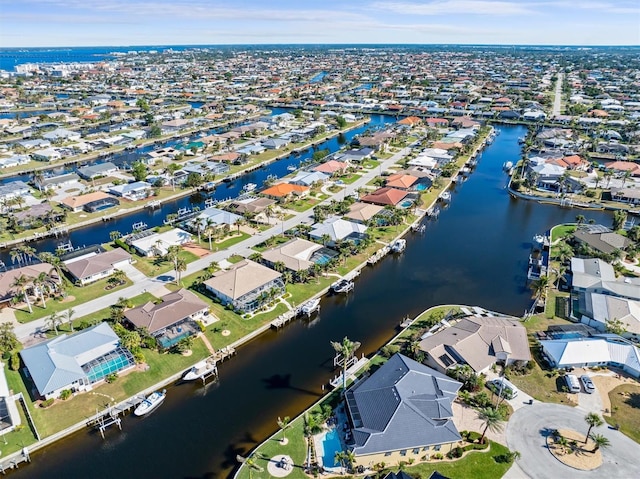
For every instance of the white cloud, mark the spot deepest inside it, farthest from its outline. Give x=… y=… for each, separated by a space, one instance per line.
x=457 y=7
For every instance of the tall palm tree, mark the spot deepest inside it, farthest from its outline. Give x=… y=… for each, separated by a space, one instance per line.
x=491 y=419
x=181 y=267
x=580 y=219
x=593 y=420
x=54 y=261
x=54 y=320
x=29 y=253
x=539 y=286
x=599 y=441
x=284 y=425
x=39 y=283
x=346 y=349
x=251 y=464
x=16 y=255
x=68 y=314
x=21 y=283
x=210 y=229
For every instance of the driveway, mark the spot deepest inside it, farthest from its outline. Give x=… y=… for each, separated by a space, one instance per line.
x=526 y=434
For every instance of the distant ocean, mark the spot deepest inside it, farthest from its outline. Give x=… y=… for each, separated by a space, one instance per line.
x=12 y=57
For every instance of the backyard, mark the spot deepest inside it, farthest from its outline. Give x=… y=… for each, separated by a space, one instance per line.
x=625 y=410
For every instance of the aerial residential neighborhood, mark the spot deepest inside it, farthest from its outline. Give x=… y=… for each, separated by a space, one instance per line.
x=375 y=261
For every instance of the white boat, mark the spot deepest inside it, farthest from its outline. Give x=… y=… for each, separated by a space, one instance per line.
x=291 y=168
x=200 y=370
x=249 y=187
x=508 y=165
x=152 y=401
x=342 y=286
x=445 y=196
x=310 y=307
x=399 y=245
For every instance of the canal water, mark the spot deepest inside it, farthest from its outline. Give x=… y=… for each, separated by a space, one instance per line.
x=475 y=253
x=99 y=232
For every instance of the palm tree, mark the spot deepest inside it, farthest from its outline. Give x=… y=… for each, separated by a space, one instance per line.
x=29 y=253
x=68 y=314
x=54 y=261
x=181 y=267
x=39 y=283
x=325 y=238
x=491 y=419
x=250 y=462
x=54 y=320
x=114 y=235
x=346 y=349
x=599 y=441
x=539 y=286
x=341 y=457
x=119 y=276
x=210 y=229
x=580 y=219
x=284 y=425
x=593 y=420
x=21 y=283
x=16 y=255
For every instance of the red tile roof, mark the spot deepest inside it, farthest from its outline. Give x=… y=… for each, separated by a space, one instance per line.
x=385 y=196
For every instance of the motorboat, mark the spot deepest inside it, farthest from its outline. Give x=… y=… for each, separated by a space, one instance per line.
x=342 y=286
x=310 y=307
x=249 y=187
x=445 y=196
x=291 y=168
x=507 y=165
x=200 y=370
x=399 y=245
x=151 y=402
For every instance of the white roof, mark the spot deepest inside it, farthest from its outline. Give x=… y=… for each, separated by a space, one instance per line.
x=161 y=241
x=577 y=351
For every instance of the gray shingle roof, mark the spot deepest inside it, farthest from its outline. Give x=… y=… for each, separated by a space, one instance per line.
x=403 y=405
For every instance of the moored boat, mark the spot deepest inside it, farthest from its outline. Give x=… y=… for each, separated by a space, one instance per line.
x=445 y=196
x=200 y=370
x=342 y=286
x=399 y=245
x=310 y=307
x=151 y=402
x=249 y=187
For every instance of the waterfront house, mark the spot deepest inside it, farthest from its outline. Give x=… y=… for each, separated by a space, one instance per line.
x=477 y=341
x=171 y=319
x=60 y=134
x=75 y=361
x=401 y=181
x=96 y=264
x=297 y=255
x=403 y=411
x=385 y=196
x=275 y=143
x=600 y=308
x=362 y=212
x=7 y=279
x=97 y=170
x=173 y=126
x=601 y=239
x=251 y=205
x=630 y=195
x=597 y=276
x=332 y=167
x=135 y=191
x=47 y=154
x=215 y=217
x=246 y=286
x=285 y=191
x=58 y=181
x=337 y=230
x=90 y=202
x=15 y=160
x=597 y=350
x=13 y=189
x=34 y=216
x=149 y=243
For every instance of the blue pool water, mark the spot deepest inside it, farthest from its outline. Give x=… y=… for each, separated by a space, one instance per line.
x=330 y=445
x=406 y=204
x=567 y=335
x=421 y=186
x=100 y=371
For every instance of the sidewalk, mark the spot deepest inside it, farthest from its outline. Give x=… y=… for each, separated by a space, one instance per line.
x=31 y=329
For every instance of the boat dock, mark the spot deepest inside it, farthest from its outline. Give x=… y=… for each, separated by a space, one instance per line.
x=378 y=255
x=283 y=319
x=336 y=382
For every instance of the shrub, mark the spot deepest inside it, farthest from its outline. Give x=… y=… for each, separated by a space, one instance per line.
x=15 y=361
x=438 y=456
x=122 y=244
x=389 y=350
x=47 y=403
x=111 y=377
x=65 y=394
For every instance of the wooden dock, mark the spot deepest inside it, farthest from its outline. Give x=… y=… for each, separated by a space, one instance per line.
x=284 y=319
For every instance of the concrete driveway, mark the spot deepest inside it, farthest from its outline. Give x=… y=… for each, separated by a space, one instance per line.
x=526 y=433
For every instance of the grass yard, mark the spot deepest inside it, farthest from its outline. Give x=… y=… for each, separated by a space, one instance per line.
x=302 y=204
x=560 y=231
x=542 y=385
x=154 y=266
x=300 y=292
x=80 y=294
x=625 y=410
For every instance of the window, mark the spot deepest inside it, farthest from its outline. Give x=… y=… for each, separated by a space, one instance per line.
x=416 y=451
x=403 y=452
x=436 y=448
x=387 y=454
x=425 y=449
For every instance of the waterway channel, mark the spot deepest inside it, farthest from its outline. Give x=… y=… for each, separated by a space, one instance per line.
x=99 y=232
x=475 y=253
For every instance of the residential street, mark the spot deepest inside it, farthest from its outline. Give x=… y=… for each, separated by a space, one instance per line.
x=557 y=99
x=32 y=329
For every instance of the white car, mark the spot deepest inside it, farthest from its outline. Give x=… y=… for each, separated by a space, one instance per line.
x=587 y=383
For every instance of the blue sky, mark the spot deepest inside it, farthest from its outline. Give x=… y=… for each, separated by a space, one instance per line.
x=173 y=22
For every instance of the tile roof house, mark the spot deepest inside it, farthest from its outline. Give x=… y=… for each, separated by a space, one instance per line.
x=76 y=361
x=297 y=254
x=7 y=278
x=332 y=167
x=605 y=242
x=363 y=212
x=251 y=205
x=401 y=181
x=385 y=196
x=169 y=317
x=246 y=285
x=90 y=201
x=285 y=190
x=404 y=406
x=95 y=266
x=477 y=341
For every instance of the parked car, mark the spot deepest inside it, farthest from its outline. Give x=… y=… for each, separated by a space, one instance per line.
x=503 y=387
x=573 y=385
x=587 y=383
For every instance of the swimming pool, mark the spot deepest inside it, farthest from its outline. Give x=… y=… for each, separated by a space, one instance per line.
x=567 y=335
x=406 y=204
x=330 y=445
x=421 y=186
x=112 y=363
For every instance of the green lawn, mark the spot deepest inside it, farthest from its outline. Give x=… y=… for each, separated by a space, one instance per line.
x=302 y=204
x=560 y=231
x=300 y=292
x=227 y=243
x=157 y=265
x=625 y=410
x=80 y=294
